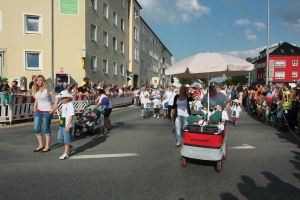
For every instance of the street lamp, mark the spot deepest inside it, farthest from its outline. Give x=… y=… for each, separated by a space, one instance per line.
x=268 y=40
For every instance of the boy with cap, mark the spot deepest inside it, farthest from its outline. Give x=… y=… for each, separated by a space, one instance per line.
x=5 y=91
x=200 y=114
x=220 y=105
x=66 y=123
x=192 y=119
x=206 y=111
x=156 y=105
x=215 y=120
x=146 y=103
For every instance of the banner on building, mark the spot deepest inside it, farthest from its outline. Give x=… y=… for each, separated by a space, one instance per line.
x=68 y=7
x=271 y=69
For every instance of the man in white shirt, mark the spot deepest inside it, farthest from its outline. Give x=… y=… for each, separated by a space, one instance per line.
x=144 y=92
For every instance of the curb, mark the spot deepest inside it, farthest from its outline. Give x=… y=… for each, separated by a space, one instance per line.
x=23 y=124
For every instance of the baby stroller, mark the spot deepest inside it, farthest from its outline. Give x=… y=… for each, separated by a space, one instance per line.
x=204 y=143
x=93 y=126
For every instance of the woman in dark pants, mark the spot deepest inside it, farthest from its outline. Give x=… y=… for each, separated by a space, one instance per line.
x=181 y=108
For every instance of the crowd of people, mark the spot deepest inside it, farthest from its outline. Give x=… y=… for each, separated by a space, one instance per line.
x=276 y=105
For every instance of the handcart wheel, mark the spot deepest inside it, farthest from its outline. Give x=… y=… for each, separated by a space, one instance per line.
x=77 y=132
x=104 y=130
x=225 y=154
x=219 y=165
x=183 y=161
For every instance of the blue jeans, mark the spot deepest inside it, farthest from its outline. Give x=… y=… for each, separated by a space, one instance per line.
x=179 y=123
x=38 y=119
x=64 y=136
x=146 y=112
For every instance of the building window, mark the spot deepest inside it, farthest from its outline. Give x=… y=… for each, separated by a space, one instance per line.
x=122 y=47
x=295 y=63
x=93 y=32
x=33 y=60
x=294 y=74
x=93 y=63
x=94 y=4
x=123 y=3
x=136 y=14
x=281 y=50
x=279 y=75
x=115 y=18
x=104 y=66
x=114 y=43
x=292 y=50
x=105 y=10
x=33 y=24
x=280 y=64
x=135 y=34
x=142 y=63
x=122 y=24
x=136 y=54
x=122 y=70
x=105 y=41
x=115 y=70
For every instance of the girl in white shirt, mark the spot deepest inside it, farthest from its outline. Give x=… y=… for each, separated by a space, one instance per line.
x=235 y=111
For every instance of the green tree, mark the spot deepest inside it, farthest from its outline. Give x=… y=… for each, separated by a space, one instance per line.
x=237 y=80
x=185 y=81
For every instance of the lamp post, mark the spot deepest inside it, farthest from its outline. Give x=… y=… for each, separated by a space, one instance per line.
x=268 y=40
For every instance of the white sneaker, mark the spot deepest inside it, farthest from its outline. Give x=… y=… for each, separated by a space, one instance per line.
x=157 y=116
x=142 y=115
x=154 y=115
x=64 y=156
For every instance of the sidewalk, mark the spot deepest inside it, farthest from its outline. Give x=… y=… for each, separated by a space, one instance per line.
x=29 y=122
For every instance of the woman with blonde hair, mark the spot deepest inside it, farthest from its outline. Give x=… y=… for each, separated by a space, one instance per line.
x=42 y=112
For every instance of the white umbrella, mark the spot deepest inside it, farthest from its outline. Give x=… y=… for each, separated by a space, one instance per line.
x=210 y=65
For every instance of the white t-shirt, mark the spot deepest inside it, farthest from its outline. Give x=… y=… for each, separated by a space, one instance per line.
x=135 y=93
x=235 y=111
x=103 y=96
x=170 y=97
x=146 y=103
x=225 y=115
x=156 y=103
x=44 y=100
x=142 y=96
x=68 y=111
x=212 y=100
x=155 y=93
x=197 y=105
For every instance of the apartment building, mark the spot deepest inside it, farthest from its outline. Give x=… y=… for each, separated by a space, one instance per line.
x=73 y=39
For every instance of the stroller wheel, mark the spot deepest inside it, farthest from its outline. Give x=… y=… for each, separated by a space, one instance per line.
x=77 y=132
x=104 y=130
x=219 y=165
x=183 y=161
x=225 y=153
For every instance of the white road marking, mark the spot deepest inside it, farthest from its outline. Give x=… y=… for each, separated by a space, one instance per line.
x=245 y=146
x=104 y=156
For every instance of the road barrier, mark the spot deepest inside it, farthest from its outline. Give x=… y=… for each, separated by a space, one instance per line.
x=22 y=106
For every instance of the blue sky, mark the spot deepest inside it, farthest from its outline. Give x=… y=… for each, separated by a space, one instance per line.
x=236 y=27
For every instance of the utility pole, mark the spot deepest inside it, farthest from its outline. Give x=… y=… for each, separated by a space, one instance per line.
x=268 y=43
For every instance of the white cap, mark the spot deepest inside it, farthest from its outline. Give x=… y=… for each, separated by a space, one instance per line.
x=187 y=85
x=155 y=86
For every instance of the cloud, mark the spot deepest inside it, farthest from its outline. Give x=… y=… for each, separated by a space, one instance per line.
x=219 y=34
x=173 y=11
x=242 y=22
x=249 y=35
x=291 y=16
x=259 y=25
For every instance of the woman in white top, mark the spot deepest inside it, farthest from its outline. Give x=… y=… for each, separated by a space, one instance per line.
x=42 y=112
x=182 y=111
x=170 y=99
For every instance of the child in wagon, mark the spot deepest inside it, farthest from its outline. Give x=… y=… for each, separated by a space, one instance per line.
x=216 y=120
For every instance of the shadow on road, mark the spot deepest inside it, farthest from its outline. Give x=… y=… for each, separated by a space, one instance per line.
x=228 y=196
x=296 y=163
x=95 y=141
x=276 y=189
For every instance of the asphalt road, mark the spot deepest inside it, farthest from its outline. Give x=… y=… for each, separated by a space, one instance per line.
x=138 y=160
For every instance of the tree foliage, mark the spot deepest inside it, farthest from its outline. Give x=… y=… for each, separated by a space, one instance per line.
x=185 y=81
x=237 y=80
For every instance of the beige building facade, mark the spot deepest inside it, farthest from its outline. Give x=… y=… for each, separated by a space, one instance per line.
x=73 y=39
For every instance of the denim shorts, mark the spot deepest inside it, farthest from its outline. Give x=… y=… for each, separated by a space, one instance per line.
x=63 y=136
x=39 y=118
